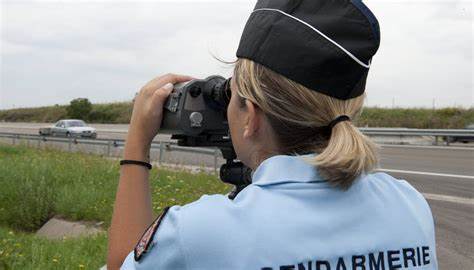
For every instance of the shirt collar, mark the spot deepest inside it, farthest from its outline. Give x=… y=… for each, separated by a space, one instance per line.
x=285 y=168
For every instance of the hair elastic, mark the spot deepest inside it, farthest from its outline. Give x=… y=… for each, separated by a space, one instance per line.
x=136 y=162
x=340 y=118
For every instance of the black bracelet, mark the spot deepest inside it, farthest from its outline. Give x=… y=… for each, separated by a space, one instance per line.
x=135 y=162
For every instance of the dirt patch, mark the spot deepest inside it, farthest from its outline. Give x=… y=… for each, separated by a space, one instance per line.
x=57 y=228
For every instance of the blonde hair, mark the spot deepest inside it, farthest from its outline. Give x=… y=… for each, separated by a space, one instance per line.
x=296 y=115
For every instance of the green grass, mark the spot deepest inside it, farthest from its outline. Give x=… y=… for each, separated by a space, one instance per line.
x=40 y=114
x=120 y=112
x=113 y=113
x=416 y=118
x=39 y=184
x=26 y=251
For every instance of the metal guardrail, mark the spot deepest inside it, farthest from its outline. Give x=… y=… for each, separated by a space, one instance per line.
x=368 y=131
x=162 y=147
x=418 y=132
x=448 y=134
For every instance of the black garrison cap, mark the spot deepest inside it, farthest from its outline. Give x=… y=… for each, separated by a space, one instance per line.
x=325 y=45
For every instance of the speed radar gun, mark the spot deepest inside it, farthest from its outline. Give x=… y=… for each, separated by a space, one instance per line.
x=195 y=114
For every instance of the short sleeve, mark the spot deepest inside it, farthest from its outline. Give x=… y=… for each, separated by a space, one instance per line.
x=166 y=251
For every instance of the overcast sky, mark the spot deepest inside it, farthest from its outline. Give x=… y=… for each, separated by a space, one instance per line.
x=54 y=51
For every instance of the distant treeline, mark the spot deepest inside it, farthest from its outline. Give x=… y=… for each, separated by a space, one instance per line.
x=119 y=113
x=113 y=113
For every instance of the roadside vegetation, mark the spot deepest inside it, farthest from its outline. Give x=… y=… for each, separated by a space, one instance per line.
x=416 y=118
x=39 y=184
x=119 y=113
x=19 y=250
x=112 y=113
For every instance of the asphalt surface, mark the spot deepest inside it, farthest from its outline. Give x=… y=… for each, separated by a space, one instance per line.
x=445 y=175
x=447 y=160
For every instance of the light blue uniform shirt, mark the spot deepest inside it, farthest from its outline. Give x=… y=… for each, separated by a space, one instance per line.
x=288 y=218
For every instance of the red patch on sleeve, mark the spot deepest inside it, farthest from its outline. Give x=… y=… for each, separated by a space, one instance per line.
x=144 y=244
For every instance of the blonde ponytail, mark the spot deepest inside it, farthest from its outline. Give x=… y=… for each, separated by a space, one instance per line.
x=348 y=154
x=297 y=114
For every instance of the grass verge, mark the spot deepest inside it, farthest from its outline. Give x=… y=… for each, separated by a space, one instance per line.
x=39 y=184
x=26 y=251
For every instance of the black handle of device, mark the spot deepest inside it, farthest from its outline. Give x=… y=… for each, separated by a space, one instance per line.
x=234 y=172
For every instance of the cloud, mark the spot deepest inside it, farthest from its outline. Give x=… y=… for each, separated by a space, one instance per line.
x=422 y=57
x=54 y=51
x=107 y=52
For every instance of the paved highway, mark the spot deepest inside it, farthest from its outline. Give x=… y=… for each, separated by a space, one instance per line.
x=445 y=176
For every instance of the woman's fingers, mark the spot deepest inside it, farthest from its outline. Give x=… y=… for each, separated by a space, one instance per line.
x=160 y=81
x=174 y=78
x=163 y=93
x=148 y=106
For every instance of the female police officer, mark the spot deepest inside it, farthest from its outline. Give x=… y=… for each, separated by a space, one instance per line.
x=313 y=202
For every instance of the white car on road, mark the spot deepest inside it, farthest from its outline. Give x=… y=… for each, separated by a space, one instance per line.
x=69 y=128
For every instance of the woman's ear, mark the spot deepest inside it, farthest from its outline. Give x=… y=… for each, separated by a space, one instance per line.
x=252 y=119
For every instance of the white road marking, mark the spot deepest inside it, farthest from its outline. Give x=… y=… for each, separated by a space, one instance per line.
x=446 y=198
x=428 y=147
x=427 y=173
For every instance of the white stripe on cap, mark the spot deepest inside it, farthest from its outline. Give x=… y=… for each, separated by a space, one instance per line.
x=319 y=32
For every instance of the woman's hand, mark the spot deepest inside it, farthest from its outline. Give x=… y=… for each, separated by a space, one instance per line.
x=148 y=113
x=132 y=208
